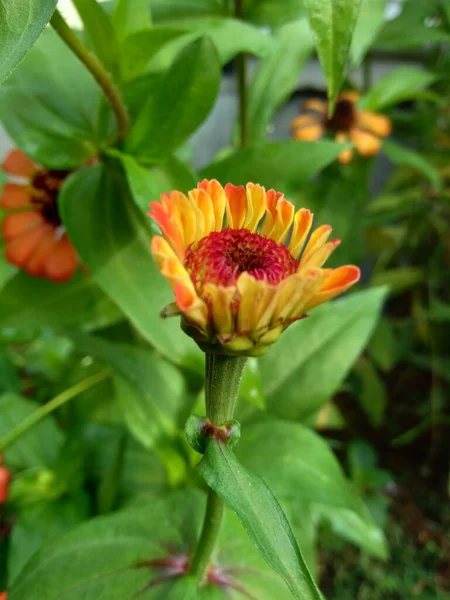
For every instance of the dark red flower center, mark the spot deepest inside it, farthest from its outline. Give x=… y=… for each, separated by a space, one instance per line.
x=344 y=116
x=222 y=256
x=45 y=186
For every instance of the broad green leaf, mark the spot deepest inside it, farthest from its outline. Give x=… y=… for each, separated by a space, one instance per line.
x=313 y=356
x=30 y=305
x=113 y=240
x=398 y=85
x=130 y=16
x=39 y=446
x=400 y=155
x=111 y=557
x=100 y=32
x=277 y=75
x=273 y=14
x=191 y=84
x=261 y=515
x=305 y=473
x=151 y=391
x=399 y=279
x=51 y=111
x=370 y=20
x=332 y=23
x=21 y=23
x=167 y=10
x=372 y=394
x=274 y=164
x=147 y=184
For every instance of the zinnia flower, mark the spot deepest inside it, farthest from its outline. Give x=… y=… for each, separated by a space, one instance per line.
x=3 y=595
x=5 y=477
x=348 y=123
x=36 y=240
x=239 y=265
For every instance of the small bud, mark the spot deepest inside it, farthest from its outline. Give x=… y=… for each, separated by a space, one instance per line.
x=200 y=429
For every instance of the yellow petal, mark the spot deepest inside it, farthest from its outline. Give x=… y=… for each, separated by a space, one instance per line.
x=202 y=202
x=279 y=216
x=236 y=205
x=305 y=120
x=302 y=224
x=366 y=143
x=336 y=282
x=217 y=194
x=219 y=300
x=311 y=133
x=379 y=125
x=254 y=305
x=256 y=206
x=316 y=104
x=317 y=258
x=316 y=241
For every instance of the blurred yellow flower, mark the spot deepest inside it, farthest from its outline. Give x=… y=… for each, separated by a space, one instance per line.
x=348 y=123
x=240 y=264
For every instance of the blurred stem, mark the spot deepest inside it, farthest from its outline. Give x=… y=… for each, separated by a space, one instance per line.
x=51 y=406
x=223 y=377
x=96 y=69
x=241 y=73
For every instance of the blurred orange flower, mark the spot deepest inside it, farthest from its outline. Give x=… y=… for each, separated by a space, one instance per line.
x=3 y=595
x=5 y=477
x=36 y=240
x=240 y=264
x=348 y=123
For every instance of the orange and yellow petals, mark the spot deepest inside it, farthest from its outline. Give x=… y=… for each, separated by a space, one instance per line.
x=217 y=195
x=317 y=258
x=351 y=95
x=315 y=104
x=255 y=303
x=316 y=241
x=15 y=196
x=236 y=205
x=62 y=263
x=302 y=224
x=20 y=248
x=3 y=595
x=205 y=217
x=337 y=281
x=305 y=121
x=36 y=265
x=20 y=223
x=366 y=144
x=256 y=206
x=17 y=163
x=379 y=125
x=294 y=293
x=346 y=155
x=169 y=228
x=311 y=133
x=219 y=299
x=185 y=214
x=279 y=216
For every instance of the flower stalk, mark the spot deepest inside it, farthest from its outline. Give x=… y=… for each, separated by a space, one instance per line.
x=96 y=69
x=223 y=377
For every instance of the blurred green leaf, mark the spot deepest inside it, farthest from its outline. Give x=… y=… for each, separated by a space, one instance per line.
x=39 y=446
x=332 y=24
x=369 y=22
x=400 y=155
x=273 y=14
x=111 y=557
x=313 y=356
x=373 y=395
x=274 y=164
x=118 y=253
x=261 y=515
x=9 y=379
x=251 y=389
x=29 y=305
x=306 y=472
x=49 y=106
x=383 y=347
x=399 y=279
x=191 y=84
x=21 y=23
x=398 y=85
x=166 y=10
x=277 y=74
x=130 y=16
x=100 y=32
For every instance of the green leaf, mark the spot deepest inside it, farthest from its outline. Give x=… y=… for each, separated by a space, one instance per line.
x=50 y=112
x=383 y=346
x=147 y=185
x=373 y=395
x=305 y=473
x=166 y=10
x=29 y=305
x=21 y=23
x=399 y=279
x=111 y=557
x=276 y=75
x=9 y=378
x=100 y=33
x=251 y=389
x=370 y=21
x=151 y=391
x=332 y=23
x=191 y=84
x=114 y=242
x=400 y=155
x=39 y=446
x=130 y=16
x=313 y=356
x=274 y=164
x=273 y=14
x=261 y=515
x=398 y=85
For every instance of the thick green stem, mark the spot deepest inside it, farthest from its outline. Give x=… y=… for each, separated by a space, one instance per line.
x=51 y=406
x=241 y=72
x=223 y=377
x=96 y=69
